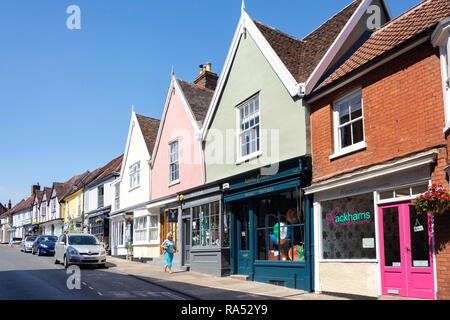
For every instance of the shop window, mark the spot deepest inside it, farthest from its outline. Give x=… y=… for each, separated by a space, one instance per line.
x=280 y=227
x=403 y=192
x=140 y=229
x=348 y=228
x=153 y=229
x=349 y=123
x=205 y=224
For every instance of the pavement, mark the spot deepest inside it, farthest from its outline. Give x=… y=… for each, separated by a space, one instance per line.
x=200 y=286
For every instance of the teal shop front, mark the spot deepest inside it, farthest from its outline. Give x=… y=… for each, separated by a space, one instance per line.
x=272 y=225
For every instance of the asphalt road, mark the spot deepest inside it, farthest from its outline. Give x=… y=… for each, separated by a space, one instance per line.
x=24 y=276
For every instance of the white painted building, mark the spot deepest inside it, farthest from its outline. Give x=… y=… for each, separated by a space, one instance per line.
x=132 y=187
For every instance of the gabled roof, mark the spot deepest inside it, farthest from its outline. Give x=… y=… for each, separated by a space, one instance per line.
x=62 y=188
x=48 y=193
x=149 y=127
x=197 y=97
x=298 y=63
x=38 y=196
x=22 y=205
x=196 y=101
x=301 y=57
x=109 y=169
x=416 y=20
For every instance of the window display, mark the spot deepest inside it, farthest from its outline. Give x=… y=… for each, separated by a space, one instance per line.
x=348 y=228
x=280 y=227
x=205 y=224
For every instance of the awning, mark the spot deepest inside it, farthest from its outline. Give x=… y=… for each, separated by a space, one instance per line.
x=11 y=229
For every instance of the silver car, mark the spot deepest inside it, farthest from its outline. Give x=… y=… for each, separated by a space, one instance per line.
x=27 y=244
x=77 y=249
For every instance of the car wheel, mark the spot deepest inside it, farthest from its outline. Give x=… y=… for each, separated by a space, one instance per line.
x=66 y=262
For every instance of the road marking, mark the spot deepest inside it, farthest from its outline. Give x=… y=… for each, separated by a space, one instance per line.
x=99 y=293
x=91 y=288
x=85 y=283
x=171 y=295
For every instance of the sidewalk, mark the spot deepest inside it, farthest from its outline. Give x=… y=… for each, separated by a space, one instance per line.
x=201 y=286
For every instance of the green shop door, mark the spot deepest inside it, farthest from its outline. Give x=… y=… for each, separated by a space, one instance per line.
x=244 y=263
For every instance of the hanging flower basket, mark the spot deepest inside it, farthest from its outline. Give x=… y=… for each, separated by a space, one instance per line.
x=128 y=219
x=98 y=220
x=436 y=200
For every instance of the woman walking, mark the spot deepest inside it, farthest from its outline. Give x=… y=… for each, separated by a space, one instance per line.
x=168 y=246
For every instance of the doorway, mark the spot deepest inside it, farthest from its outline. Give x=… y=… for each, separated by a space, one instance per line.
x=406 y=257
x=186 y=242
x=243 y=243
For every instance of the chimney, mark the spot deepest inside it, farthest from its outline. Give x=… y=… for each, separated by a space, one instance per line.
x=9 y=205
x=35 y=187
x=206 y=78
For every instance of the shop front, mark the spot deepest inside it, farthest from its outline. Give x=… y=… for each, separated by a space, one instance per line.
x=272 y=225
x=205 y=231
x=370 y=241
x=121 y=226
x=99 y=226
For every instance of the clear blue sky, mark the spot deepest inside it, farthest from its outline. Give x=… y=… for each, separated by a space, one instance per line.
x=66 y=95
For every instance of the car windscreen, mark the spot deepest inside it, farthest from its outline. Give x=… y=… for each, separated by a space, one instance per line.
x=30 y=238
x=49 y=239
x=83 y=240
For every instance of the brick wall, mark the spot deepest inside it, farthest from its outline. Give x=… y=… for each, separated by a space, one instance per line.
x=403 y=113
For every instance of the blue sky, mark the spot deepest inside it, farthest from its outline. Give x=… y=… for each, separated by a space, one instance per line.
x=66 y=95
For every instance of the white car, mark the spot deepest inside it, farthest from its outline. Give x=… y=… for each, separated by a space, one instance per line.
x=27 y=244
x=77 y=249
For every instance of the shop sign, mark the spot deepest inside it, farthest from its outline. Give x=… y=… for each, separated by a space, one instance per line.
x=173 y=215
x=347 y=218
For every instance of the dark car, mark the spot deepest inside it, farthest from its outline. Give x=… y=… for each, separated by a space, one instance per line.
x=44 y=245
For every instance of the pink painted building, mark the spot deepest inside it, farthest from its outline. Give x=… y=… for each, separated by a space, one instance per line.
x=177 y=159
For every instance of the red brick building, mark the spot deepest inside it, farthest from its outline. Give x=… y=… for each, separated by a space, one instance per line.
x=378 y=141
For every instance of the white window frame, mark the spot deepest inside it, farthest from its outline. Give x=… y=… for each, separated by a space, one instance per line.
x=117 y=196
x=173 y=162
x=135 y=175
x=153 y=241
x=137 y=229
x=445 y=73
x=338 y=150
x=257 y=152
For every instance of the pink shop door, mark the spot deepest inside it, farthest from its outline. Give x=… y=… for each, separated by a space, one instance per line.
x=406 y=252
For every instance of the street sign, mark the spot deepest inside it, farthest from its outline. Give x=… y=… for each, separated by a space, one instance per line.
x=173 y=215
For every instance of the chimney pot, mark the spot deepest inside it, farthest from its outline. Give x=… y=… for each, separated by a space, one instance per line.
x=206 y=79
x=34 y=188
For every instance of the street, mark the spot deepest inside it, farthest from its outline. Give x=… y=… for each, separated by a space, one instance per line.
x=24 y=276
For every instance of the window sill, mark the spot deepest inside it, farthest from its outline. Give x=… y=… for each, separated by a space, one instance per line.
x=174 y=183
x=145 y=243
x=348 y=150
x=134 y=188
x=249 y=157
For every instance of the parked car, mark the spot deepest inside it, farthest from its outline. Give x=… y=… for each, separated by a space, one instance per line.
x=44 y=245
x=79 y=249
x=27 y=243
